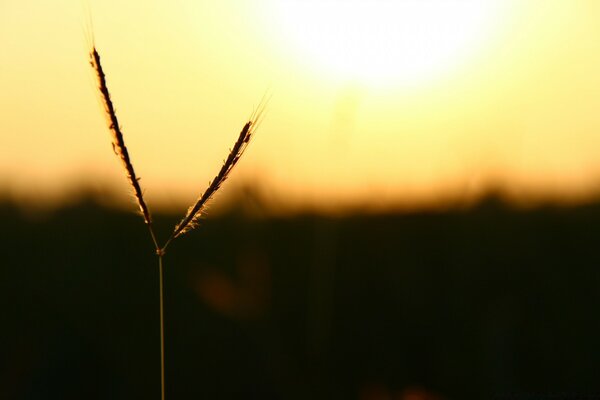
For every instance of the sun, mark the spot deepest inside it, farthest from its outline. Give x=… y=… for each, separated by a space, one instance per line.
x=387 y=42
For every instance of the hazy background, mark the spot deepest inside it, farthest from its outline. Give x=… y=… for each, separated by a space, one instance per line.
x=515 y=108
x=416 y=218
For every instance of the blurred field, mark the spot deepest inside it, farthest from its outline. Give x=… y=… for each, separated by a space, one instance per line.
x=457 y=304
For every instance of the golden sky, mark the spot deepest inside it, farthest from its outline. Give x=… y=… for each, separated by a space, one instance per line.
x=372 y=102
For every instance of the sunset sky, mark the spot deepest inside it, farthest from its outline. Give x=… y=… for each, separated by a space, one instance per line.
x=371 y=102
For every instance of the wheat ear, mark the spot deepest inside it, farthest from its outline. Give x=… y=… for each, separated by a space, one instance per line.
x=117 y=138
x=195 y=212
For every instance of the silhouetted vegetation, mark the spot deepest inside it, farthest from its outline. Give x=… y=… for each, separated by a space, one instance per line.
x=465 y=304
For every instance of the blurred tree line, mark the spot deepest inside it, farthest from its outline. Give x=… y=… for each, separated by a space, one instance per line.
x=473 y=303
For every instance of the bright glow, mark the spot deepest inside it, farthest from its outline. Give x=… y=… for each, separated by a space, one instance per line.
x=388 y=41
x=514 y=106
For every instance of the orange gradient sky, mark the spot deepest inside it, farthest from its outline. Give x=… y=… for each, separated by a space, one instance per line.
x=373 y=102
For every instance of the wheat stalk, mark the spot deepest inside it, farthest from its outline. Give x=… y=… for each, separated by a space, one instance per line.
x=190 y=220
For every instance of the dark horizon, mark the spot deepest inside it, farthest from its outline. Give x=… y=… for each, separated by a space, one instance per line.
x=460 y=304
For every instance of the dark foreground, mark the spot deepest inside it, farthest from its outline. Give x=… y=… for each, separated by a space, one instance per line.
x=485 y=303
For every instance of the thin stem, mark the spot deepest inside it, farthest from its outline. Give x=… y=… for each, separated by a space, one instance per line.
x=164 y=248
x=156 y=246
x=162 y=328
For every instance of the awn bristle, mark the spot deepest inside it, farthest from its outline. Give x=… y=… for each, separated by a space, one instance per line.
x=118 y=142
x=195 y=212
